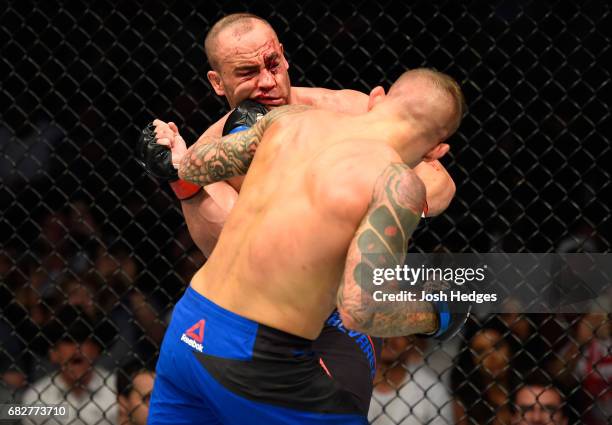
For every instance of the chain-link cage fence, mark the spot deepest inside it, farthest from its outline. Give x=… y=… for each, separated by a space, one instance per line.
x=95 y=253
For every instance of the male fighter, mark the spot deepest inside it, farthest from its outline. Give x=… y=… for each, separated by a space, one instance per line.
x=324 y=190
x=248 y=62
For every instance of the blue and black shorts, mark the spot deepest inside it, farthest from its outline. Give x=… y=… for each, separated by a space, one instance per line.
x=216 y=367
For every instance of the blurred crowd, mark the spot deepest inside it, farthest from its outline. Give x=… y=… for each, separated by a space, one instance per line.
x=503 y=369
x=82 y=323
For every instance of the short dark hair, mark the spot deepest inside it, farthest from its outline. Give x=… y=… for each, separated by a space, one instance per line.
x=128 y=371
x=243 y=19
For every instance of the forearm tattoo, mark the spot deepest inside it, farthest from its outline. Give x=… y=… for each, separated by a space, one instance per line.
x=381 y=241
x=213 y=159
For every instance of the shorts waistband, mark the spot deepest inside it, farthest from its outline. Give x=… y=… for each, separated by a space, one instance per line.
x=229 y=326
x=197 y=302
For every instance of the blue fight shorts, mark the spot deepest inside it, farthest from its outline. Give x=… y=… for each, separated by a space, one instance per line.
x=216 y=367
x=349 y=357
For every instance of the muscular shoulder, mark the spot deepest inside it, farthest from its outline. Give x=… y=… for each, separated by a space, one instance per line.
x=344 y=176
x=280 y=112
x=346 y=101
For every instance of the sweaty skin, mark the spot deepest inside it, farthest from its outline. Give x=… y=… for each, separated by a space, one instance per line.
x=324 y=169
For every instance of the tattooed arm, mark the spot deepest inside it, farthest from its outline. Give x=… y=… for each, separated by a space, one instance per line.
x=213 y=159
x=381 y=241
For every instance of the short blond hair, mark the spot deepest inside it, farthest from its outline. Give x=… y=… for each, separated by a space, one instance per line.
x=439 y=81
x=451 y=86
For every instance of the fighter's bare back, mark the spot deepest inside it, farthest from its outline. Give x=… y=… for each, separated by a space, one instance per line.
x=281 y=254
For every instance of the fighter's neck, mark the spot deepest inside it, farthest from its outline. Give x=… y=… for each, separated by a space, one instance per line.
x=385 y=130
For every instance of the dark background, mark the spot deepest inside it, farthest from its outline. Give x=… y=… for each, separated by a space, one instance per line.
x=80 y=79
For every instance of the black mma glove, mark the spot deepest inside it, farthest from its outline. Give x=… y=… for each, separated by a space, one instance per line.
x=244 y=117
x=156 y=159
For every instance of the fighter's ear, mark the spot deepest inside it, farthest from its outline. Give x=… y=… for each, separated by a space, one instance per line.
x=285 y=63
x=437 y=152
x=376 y=95
x=216 y=82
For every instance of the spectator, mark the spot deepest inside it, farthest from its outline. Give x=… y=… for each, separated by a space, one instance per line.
x=66 y=291
x=11 y=369
x=585 y=362
x=538 y=402
x=140 y=330
x=406 y=391
x=482 y=378
x=134 y=387
x=117 y=265
x=76 y=344
x=588 y=358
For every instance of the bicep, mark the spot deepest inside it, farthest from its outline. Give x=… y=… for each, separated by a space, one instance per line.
x=381 y=239
x=206 y=213
x=392 y=216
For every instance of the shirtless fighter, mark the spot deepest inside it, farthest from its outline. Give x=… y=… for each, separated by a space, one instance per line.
x=324 y=190
x=248 y=63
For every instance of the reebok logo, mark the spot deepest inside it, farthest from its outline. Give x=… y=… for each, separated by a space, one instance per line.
x=194 y=335
x=197 y=331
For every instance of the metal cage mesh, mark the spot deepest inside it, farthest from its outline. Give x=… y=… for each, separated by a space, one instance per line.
x=91 y=245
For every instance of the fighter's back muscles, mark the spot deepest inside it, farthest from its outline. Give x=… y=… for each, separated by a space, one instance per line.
x=205 y=214
x=381 y=242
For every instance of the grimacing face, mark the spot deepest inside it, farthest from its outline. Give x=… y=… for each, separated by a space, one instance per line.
x=251 y=66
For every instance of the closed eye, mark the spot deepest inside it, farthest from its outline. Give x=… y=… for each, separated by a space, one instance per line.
x=245 y=72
